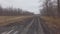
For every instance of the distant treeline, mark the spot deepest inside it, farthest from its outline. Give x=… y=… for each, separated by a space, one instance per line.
x=13 y=12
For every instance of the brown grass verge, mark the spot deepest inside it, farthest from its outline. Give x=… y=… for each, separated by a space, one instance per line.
x=4 y=20
x=53 y=23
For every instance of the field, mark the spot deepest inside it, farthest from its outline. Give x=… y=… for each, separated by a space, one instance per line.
x=4 y=20
x=53 y=24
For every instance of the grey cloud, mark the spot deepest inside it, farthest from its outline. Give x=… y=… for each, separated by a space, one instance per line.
x=31 y=5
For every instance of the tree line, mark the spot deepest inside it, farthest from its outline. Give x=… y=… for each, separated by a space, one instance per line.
x=51 y=8
x=13 y=12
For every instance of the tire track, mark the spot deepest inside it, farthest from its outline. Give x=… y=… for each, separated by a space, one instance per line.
x=34 y=27
x=40 y=31
x=27 y=28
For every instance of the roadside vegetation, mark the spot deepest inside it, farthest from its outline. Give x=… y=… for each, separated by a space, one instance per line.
x=5 y=20
x=51 y=15
x=52 y=22
x=12 y=15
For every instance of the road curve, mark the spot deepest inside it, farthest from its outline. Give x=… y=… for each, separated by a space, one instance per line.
x=31 y=27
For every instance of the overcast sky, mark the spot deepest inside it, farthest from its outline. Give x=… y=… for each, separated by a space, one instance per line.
x=30 y=5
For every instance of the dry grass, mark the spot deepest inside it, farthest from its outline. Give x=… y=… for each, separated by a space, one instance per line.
x=53 y=23
x=4 y=20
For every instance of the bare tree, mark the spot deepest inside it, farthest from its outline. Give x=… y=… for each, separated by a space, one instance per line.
x=58 y=1
x=49 y=8
x=13 y=12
